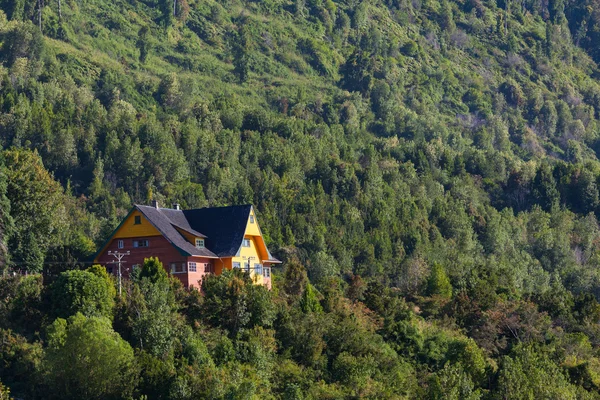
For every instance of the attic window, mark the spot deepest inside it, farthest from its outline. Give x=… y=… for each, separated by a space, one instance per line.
x=246 y=243
x=137 y=220
x=251 y=219
x=199 y=243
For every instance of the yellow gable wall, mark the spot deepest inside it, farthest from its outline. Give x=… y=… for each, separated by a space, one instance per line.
x=130 y=229
x=252 y=229
x=188 y=236
x=251 y=251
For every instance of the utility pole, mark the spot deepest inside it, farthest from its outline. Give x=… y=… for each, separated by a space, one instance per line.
x=249 y=259
x=119 y=257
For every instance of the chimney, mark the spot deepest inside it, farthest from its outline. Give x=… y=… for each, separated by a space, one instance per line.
x=176 y=206
x=155 y=204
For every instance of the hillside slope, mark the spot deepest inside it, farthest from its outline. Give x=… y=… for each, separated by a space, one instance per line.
x=442 y=153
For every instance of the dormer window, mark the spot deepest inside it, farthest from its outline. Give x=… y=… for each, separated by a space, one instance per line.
x=137 y=220
x=251 y=219
x=199 y=243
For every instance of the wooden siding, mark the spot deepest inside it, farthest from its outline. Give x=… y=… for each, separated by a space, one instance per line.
x=130 y=230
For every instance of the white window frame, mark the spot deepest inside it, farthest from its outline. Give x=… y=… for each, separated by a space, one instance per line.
x=200 y=243
x=192 y=267
x=120 y=243
x=267 y=272
x=258 y=267
x=251 y=219
x=246 y=243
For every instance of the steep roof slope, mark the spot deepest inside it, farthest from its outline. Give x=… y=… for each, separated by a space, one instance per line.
x=166 y=226
x=224 y=226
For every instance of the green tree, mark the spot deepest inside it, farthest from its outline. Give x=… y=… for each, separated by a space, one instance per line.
x=82 y=292
x=37 y=203
x=143 y=43
x=438 y=282
x=85 y=358
x=310 y=300
x=242 y=53
x=529 y=373
x=295 y=280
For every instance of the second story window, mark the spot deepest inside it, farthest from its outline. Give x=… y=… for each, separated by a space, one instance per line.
x=192 y=267
x=246 y=243
x=252 y=219
x=177 y=268
x=120 y=244
x=141 y=243
x=237 y=265
x=137 y=220
x=258 y=269
x=199 y=243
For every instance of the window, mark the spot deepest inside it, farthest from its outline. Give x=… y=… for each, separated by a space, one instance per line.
x=141 y=243
x=247 y=267
x=246 y=243
x=267 y=272
x=237 y=265
x=109 y=270
x=192 y=267
x=200 y=243
x=177 y=268
x=208 y=268
x=251 y=219
x=120 y=244
x=258 y=269
x=137 y=220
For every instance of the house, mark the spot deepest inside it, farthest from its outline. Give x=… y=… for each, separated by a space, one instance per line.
x=191 y=243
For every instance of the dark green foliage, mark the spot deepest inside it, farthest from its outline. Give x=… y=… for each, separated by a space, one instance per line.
x=431 y=167
x=82 y=292
x=86 y=358
x=438 y=282
x=232 y=302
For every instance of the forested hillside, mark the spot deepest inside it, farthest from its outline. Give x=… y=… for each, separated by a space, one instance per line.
x=430 y=167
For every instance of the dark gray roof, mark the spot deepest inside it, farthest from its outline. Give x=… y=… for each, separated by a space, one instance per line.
x=178 y=219
x=158 y=217
x=224 y=227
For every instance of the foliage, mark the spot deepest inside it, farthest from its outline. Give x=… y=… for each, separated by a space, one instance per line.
x=427 y=170
x=82 y=292
x=86 y=358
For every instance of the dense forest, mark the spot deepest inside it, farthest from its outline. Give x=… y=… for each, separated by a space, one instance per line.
x=428 y=171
